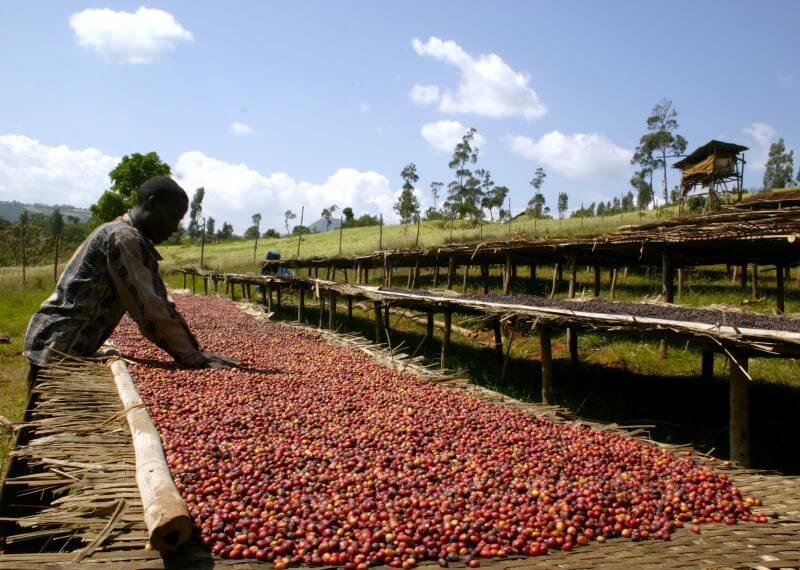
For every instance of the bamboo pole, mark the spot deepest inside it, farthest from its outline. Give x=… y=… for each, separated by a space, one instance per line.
x=466 y=274
x=498 y=339
x=165 y=514
x=779 y=290
x=555 y=281
x=508 y=275
x=429 y=326
x=450 y=270
x=332 y=310
x=613 y=287
x=596 y=280
x=754 y=282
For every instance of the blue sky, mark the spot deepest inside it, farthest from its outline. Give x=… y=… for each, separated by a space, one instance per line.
x=322 y=93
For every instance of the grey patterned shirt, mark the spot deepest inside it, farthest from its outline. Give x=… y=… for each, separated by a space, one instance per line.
x=114 y=270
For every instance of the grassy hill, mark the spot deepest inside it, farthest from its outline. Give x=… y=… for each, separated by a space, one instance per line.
x=11 y=210
x=239 y=254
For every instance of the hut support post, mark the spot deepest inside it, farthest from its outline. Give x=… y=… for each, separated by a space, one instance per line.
x=466 y=274
x=555 y=280
x=779 y=290
x=349 y=309
x=485 y=278
x=545 y=335
x=507 y=275
x=596 y=280
x=613 y=288
x=739 y=425
x=573 y=278
x=681 y=281
x=743 y=276
x=533 y=277
x=448 y=325
x=451 y=267
x=754 y=281
x=415 y=281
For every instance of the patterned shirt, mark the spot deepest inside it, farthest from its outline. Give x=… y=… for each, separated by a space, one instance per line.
x=114 y=270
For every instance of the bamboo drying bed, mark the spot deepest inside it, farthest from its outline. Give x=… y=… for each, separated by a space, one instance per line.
x=77 y=437
x=763 y=237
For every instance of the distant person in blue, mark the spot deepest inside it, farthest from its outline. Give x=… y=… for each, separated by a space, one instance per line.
x=271 y=268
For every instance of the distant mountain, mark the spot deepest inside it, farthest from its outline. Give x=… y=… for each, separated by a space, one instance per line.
x=11 y=210
x=321 y=225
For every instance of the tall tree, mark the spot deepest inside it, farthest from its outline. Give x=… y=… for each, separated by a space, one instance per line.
x=226 y=232
x=327 y=214
x=436 y=189
x=407 y=205
x=779 y=166
x=537 y=203
x=464 y=192
x=660 y=142
x=563 y=204
x=349 y=216
x=210 y=223
x=644 y=189
x=195 y=210
x=56 y=228
x=131 y=172
x=257 y=225
x=288 y=215
x=495 y=198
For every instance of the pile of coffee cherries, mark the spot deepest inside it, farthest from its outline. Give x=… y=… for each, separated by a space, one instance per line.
x=310 y=453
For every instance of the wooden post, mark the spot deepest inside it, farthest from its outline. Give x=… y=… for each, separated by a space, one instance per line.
x=366 y=275
x=410 y=278
x=743 y=276
x=264 y=296
x=668 y=286
x=332 y=310
x=448 y=325
x=451 y=265
x=466 y=274
x=533 y=277
x=301 y=304
x=498 y=339
x=321 y=308
x=278 y=296
x=205 y=285
x=245 y=295
x=485 y=278
x=507 y=275
x=378 y=314
x=681 y=281
x=596 y=280
x=739 y=422
x=386 y=315
x=429 y=326
x=707 y=365
x=779 y=290
x=359 y=277
x=390 y=276
x=547 y=364
x=573 y=274
x=435 y=274
x=754 y=281
x=555 y=281
x=267 y=290
x=194 y=282
x=613 y=288
x=415 y=281
x=349 y=308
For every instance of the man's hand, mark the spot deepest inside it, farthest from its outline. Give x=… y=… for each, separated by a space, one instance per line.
x=218 y=361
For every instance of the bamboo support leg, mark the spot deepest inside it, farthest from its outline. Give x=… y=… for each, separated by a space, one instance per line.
x=547 y=365
x=466 y=274
x=448 y=325
x=743 y=277
x=267 y=290
x=194 y=282
x=555 y=281
x=613 y=287
x=205 y=285
x=707 y=365
x=498 y=339
x=508 y=275
x=573 y=277
x=378 y=310
x=451 y=268
x=301 y=305
x=349 y=309
x=429 y=326
x=779 y=290
x=332 y=310
x=415 y=280
x=533 y=277
x=278 y=296
x=681 y=281
x=572 y=345
x=596 y=280
x=485 y=278
x=754 y=281
x=739 y=425
x=184 y=281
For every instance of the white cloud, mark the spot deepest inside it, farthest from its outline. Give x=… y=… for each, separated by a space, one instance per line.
x=128 y=37
x=239 y=129
x=575 y=156
x=763 y=134
x=424 y=94
x=34 y=172
x=235 y=191
x=444 y=135
x=487 y=85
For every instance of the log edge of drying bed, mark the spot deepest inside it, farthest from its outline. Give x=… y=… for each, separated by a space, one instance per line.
x=166 y=516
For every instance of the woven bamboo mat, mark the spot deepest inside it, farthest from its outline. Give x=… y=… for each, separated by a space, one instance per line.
x=79 y=451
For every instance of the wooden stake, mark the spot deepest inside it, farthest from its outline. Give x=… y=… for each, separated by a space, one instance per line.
x=779 y=290
x=448 y=325
x=378 y=306
x=332 y=310
x=498 y=339
x=743 y=276
x=451 y=267
x=415 y=281
x=533 y=277
x=573 y=274
x=555 y=281
x=435 y=274
x=596 y=280
x=429 y=326
x=466 y=274
x=681 y=281
x=507 y=275
x=547 y=365
x=754 y=281
x=668 y=285
x=572 y=344
x=301 y=304
x=278 y=296
x=707 y=365
x=739 y=425
x=613 y=288
x=349 y=308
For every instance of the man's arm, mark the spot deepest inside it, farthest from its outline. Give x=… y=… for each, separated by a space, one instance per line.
x=143 y=293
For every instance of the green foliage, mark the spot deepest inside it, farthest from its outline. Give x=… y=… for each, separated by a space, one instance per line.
x=56 y=222
x=660 y=142
x=407 y=205
x=536 y=205
x=195 y=210
x=464 y=192
x=563 y=203
x=298 y=230
x=251 y=232
x=131 y=172
x=271 y=233
x=779 y=166
x=226 y=232
x=210 y=227
x=327 y=215
x=289 y=215
x=644 y=189
x=349 y=216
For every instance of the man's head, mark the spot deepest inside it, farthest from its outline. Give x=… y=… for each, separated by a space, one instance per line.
x=161 y=205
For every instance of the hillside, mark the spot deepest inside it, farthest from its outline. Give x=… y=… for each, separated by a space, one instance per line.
x=11 y=210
